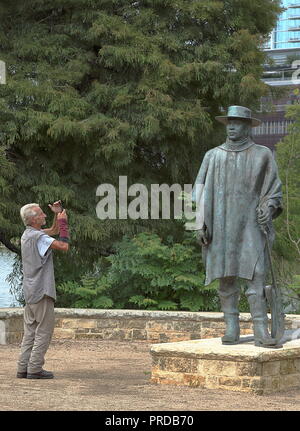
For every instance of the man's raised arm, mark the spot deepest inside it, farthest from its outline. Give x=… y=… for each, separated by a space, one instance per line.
x=64 y=237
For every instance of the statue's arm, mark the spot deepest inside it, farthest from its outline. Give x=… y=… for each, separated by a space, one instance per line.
x=270 y=205
x=198 y=199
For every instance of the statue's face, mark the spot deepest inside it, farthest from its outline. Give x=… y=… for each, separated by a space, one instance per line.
x=237 y=129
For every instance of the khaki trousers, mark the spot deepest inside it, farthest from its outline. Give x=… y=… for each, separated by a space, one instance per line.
x=38 y=329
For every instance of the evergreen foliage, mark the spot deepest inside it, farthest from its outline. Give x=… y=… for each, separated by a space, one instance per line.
x=88 y=293
x=145 y=273
x=287 y=246
x=102 y=88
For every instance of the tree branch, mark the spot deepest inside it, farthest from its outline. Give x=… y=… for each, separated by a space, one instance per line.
x=8 y=244
x=295 y=242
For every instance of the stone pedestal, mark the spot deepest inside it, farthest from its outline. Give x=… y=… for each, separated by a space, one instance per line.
x=242 y=367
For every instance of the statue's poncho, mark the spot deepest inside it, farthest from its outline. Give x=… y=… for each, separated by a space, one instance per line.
x=236 y=182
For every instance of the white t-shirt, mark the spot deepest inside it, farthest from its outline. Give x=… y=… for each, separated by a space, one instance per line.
x=44 y=243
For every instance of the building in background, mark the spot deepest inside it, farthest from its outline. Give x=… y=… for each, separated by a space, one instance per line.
x=285 y=38
x=281 y=71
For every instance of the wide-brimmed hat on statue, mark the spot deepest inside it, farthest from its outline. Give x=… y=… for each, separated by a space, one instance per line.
x=239 y=112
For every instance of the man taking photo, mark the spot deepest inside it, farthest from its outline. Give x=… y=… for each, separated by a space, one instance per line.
x=39 y=285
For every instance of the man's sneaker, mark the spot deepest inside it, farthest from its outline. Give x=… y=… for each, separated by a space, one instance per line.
x=22 y=375
x=43 y=374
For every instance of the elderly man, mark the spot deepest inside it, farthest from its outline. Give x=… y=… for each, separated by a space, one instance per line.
x=39 y=285
x=239 y=193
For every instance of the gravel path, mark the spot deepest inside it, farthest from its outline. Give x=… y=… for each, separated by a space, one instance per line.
x=109 y=375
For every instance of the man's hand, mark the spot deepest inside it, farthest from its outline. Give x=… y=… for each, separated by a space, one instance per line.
x=56 y=207
x=62 y=215
x=202 y=237
x=63 y=242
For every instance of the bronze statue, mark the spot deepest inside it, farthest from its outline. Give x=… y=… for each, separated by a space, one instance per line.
x=240 y=194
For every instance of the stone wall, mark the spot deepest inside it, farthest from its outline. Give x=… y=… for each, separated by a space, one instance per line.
x=129 y=325
x=242 y=367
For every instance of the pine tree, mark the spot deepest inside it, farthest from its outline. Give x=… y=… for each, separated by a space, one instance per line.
x=102 y=88
x=287 y=246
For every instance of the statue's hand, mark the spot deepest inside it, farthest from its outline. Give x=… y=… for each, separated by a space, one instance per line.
x=202 y=237
x=264 y=214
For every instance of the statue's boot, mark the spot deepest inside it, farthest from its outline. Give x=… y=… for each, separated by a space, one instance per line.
x=258 y=309
x=232 y=334
x=229 y=306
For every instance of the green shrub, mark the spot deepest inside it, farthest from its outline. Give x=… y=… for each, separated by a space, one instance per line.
x=89 y=293
x=146 y=273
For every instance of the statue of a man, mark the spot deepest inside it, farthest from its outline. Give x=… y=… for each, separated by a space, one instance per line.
x=240 y=192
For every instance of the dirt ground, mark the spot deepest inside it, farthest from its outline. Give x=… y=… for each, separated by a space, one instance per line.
x=115 y=376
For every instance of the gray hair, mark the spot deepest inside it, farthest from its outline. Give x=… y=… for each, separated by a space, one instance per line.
x=27 y=212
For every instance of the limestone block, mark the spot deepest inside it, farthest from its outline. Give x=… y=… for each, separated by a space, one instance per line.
x=166 y=337
x=179 y=365
x=193 y=380
x=108 y=323
x=166 y=377
x=3 y=332
x=234 y=382
x=113 y=334
x=217 y=368
x=171 y=378
x=128 y=335
x=159 y=325
x=249 y=369
x=68 y=323
x=79 y=323
x=187 y=326
x=153 y=336
x=266 y=384
x=14 y=337
x=210 y=332
x=219 y=325
x=242 y=367
x=138 y=323
x=288 y=381
x=139 y=334
x=256 y=385
x=163 y=338
x=15 y=324
x=61 y=333
x=211 y=382
x=84 y=330
x=271 y=368
x=89 y=336
x=245 y=383
x=288 y=366
x=176 y=336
